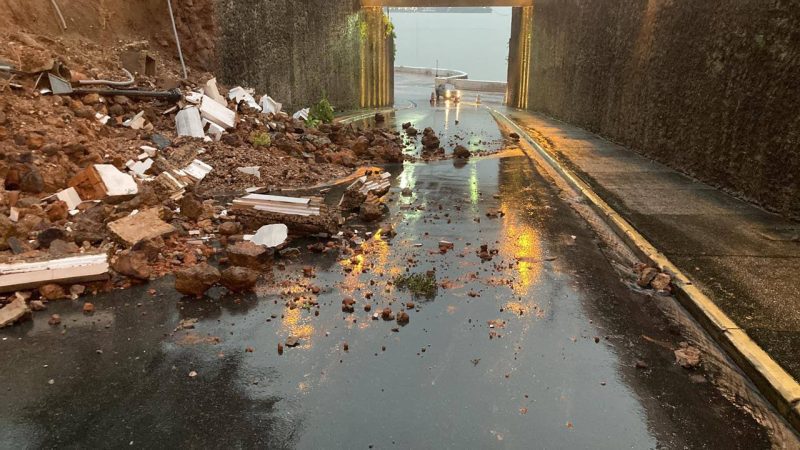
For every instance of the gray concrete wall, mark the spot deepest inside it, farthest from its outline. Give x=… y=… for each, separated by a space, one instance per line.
x=298 y=51
x=707 y=87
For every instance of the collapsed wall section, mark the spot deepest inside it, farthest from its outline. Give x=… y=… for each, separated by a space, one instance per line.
x=709 y=88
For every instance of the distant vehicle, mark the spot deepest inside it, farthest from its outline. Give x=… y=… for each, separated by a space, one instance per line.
x=448 y=92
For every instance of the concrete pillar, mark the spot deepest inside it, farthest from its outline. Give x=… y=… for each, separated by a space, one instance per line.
x=377 y=59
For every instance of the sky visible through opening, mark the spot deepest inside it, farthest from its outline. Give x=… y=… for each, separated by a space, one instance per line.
x=476 y=43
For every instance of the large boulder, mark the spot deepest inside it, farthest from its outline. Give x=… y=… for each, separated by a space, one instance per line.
x=196 y=280
x=238 y=279
x=248 y=254
x=132 y=264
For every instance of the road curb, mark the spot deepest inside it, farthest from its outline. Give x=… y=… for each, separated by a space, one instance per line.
x=774 y=383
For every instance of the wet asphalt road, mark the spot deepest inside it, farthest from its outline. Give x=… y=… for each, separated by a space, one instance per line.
x=538 y=379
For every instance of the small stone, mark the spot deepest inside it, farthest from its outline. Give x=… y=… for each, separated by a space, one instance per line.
x=348 y=305
x=37 y=305
x=386 y=314
x=648 y=274
x=88 y=308
x=687 y=356
x=191 y=206
x=461 y=152
x=661 y=282
x=292 y=341
x=55 y=319
x=402 y=318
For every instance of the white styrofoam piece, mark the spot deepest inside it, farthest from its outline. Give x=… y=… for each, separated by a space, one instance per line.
x=189 y=123
x=271 y=235
x=140 y=167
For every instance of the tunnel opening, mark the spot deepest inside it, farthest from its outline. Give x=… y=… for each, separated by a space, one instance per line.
x=479 y=53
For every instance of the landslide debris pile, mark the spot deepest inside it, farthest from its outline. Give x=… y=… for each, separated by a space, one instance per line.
x=106 y=188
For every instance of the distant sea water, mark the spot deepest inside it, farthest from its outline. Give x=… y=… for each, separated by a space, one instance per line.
x=476 y=43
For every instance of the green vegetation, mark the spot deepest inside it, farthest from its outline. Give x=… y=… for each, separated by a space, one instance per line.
x=261 y=139
x=322 y=112
x=419 y=284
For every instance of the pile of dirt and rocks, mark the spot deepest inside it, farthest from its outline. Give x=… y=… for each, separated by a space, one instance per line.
x=104 y=188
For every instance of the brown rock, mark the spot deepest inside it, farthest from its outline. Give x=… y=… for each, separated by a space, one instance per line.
x=348 y=305
x=461 y=152
x=687 y=356
x=248 y=254
x=52 y=291
x=230 y=228
x=647 y=275
x=402 y=318
x=196 y=280
x=62 y=248
x=88 y=308
x=239 y=279
x=661 y=282
x=132 y=264
x=360 y=145
x=57 y=211
x=191 y=206
x=292 y=341
x=55 y=319
x=386 y=314
x=31 y=181
x=37 y=305
x=14 y=312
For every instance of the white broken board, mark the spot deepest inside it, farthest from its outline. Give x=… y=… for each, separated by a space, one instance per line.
x=302 y=114
x=198 y=170
x=117 y=183
x=189 y=123
x=25 y=275
x=270 y=235
x=280 y=205
x=70 y=197
x=269 y=105
x=214 y=112
x=211 y=90
x=240 y=94
x=136 y=122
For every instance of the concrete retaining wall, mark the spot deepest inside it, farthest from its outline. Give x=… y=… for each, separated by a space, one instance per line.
x=298 y=53
x=707 y=87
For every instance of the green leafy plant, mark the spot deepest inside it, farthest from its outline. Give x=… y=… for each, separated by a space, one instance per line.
x=322 y=112
x=419 y=284
x=261 y=139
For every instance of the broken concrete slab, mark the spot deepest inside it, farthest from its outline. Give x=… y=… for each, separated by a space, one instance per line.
x=24 y=275
x=189 y=123
x=140 y=227
x=71 y=197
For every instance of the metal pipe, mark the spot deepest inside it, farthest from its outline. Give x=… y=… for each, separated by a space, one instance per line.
x=60 y=16
x=177 y=39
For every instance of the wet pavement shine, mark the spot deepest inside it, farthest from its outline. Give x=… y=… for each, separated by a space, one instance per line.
x=544 y=345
